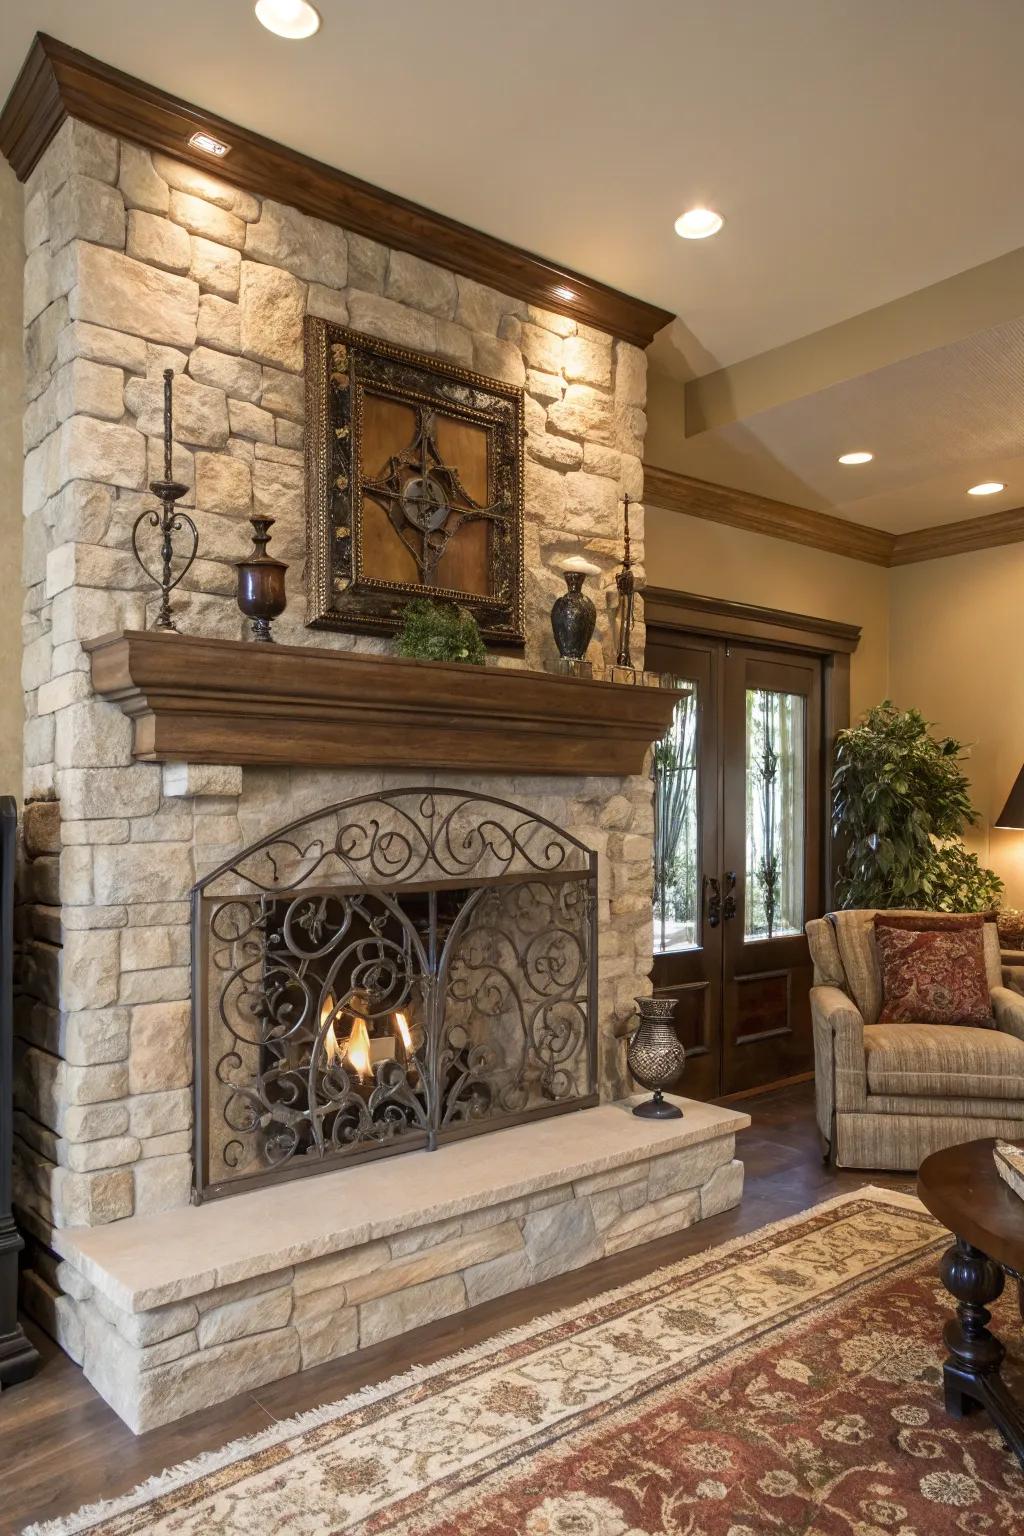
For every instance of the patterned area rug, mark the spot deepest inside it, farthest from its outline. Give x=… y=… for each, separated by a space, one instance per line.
x=786 y=1383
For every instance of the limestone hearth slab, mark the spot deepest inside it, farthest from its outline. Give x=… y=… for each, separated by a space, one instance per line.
x=148 y=1261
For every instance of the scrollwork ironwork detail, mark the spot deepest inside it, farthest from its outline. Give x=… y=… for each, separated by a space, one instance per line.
x=385 y=972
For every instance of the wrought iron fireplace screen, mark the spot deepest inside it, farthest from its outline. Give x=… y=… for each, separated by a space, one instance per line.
x=388 y=973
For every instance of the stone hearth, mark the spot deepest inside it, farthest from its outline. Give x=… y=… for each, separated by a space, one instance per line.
x=185 y=1309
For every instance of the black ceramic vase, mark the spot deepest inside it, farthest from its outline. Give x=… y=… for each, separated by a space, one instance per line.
x=573 y=617
x=656 y=1056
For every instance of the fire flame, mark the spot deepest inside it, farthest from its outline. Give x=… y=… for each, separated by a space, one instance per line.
x=332 y=1050
x=357 y=1048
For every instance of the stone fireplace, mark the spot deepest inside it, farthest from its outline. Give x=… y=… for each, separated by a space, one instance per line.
x=390 y=974
x=488 y=986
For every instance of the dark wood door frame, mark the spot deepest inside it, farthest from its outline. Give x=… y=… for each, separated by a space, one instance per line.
x=673 y=613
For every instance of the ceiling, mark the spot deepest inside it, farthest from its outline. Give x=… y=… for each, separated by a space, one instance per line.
x=860 y=151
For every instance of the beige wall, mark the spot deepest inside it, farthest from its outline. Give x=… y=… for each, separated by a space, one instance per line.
x=691 y=555
x=11 y=262
x=955 y=644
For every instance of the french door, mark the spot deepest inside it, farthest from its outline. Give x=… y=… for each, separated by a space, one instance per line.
x=738 y=858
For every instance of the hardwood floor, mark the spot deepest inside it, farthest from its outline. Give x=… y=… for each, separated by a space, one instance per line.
x=61 y=1446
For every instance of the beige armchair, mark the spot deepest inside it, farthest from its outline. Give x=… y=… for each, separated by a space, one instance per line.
x=889 y=1094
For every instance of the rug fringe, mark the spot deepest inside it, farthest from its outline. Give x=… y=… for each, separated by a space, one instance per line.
x=202 y=1465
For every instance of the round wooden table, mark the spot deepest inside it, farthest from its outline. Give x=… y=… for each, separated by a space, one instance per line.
x=961 y=1188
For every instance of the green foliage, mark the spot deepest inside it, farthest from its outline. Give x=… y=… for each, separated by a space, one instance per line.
x=440 y=632
x=956 y=882
x=900 y=802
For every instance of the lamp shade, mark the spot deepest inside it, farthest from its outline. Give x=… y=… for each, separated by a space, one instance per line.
x=1012 y=813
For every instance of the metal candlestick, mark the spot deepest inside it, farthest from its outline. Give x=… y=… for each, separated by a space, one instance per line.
x=625 y=581
x=168 y=522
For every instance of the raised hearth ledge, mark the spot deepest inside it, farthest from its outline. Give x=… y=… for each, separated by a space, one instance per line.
x=169 y=1314
x=200 y=700
x=148 y=1261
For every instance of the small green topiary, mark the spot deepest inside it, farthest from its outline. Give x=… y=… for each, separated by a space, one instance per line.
x=440 y=632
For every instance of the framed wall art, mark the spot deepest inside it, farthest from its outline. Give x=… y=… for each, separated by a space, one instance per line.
x=414 y=487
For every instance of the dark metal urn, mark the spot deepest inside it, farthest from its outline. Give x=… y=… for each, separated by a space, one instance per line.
x=261 y=590
x=656 y=1056
x=573 y=616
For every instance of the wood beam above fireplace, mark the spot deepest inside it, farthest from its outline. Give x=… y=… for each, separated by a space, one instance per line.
x=226 y=701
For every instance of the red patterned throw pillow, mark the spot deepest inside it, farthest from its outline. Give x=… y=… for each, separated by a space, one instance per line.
x=933 y=969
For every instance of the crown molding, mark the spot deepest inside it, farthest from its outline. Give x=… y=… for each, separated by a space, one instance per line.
x=960 y=538
x=820 y=530
x=57 y=82
x=759 y=514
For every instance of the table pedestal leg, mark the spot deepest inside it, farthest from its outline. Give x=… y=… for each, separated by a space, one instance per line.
x=970 y=1375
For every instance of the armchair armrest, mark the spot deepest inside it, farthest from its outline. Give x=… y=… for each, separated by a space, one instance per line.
x=1008 y=1008
x=1013 y=970
x=840 y=1081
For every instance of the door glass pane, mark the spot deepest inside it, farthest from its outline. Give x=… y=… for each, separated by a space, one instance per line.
x=676 y=854
x=776 y=769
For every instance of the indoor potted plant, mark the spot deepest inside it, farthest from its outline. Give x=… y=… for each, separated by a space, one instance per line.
x=435 y=631
x=900 y=802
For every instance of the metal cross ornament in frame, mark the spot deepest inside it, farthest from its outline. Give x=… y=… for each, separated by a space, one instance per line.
x=425 y=500
x=414 y=487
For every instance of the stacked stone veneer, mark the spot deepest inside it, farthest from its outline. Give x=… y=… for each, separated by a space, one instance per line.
x=184 y=1345
x=136 y=263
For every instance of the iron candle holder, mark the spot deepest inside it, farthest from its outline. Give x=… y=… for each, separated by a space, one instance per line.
x=169 y=521
x=625 y=581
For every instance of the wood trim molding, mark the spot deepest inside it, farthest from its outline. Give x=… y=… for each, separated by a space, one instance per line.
x=759 y=514
x=820 y=530
x=959 y=538
x=695 y=614
x=200 y=700
x=57 y=82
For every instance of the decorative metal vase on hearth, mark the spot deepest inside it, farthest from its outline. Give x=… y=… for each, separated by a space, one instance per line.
x=261 y=590
x=573 y=616
x=656 y=1056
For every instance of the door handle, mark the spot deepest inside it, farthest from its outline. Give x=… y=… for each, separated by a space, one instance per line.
x=713 y=899
x=729 y=904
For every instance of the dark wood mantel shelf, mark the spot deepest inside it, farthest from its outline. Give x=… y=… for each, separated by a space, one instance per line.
x=228 y=701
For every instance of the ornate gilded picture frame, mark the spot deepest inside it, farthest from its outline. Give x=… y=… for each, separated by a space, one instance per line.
x=414 y=487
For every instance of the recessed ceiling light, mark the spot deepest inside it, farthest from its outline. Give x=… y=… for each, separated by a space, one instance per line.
x=986 y=488
x=288 y=18
x=860 y=457
x=698 y=223
x=209 y=145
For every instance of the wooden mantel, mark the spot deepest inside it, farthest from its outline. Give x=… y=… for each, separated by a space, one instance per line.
x=227 y=701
